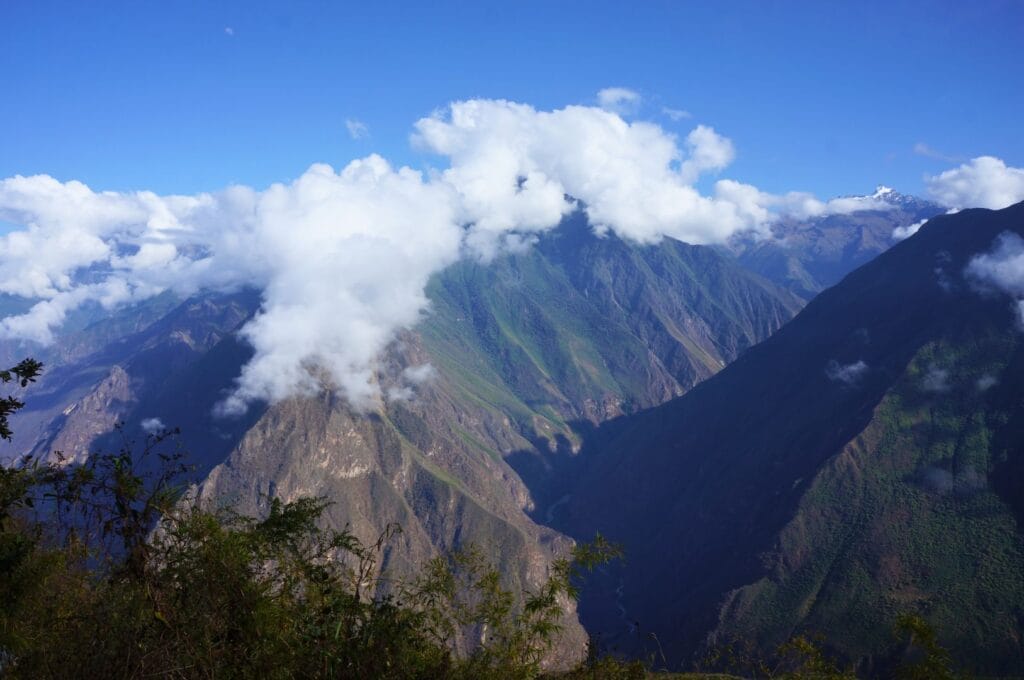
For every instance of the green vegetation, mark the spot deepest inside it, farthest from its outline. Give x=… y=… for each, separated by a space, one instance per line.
x=780 y=498
x=111 y=568
x=125 y=577
x=583 y=328
x=955 y=551
x=25 y=372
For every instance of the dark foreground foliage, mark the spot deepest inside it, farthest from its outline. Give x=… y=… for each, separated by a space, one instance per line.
x=117 y=573
x=111 y=568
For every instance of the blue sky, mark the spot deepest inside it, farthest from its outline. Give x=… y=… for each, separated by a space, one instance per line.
x=816 y=96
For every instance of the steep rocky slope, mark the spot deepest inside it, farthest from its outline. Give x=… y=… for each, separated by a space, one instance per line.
x=862 y=462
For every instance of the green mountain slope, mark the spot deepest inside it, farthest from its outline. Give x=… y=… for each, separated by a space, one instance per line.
x=847 y=469
x=580 y=329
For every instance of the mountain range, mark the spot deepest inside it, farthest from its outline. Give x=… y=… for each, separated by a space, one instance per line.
x=587 y=384
x=486 y=396
x=807 y=256
x=863 y=462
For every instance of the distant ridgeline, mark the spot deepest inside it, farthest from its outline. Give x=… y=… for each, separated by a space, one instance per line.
x=808 y=256
x=865 y=461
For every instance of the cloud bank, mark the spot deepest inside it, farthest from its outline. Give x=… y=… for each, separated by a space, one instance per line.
x=342 y=257
x=983 y=182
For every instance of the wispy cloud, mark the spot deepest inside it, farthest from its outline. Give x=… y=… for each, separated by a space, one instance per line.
x=986 y=382
x=847 y=374
x=922 y=149
x=1002 y=269
x=935 y=380
x=676 y=115
x=229 y=31
x=900 y=233
x=357 y=129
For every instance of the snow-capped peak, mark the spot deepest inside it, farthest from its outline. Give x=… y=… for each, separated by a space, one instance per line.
x=881 y=191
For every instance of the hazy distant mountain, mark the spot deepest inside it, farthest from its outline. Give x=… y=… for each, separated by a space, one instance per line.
x=808 y=256
x=866 y=460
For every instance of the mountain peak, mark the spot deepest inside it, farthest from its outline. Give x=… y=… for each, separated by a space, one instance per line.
x=887 y=194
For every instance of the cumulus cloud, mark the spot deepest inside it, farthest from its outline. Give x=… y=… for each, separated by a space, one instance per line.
x=708 y=152
x=618 y=100
x=357 y=129
x=983 y=182
x=1002 y=269
x=848 y=374
x=516 y=168
x=342 y=257
x=352 y=255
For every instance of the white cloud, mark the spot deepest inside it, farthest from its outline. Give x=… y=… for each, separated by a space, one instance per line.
x=922 y=149
x=983 y=182
x=900 y=233
x=848 y=374
x=708 y=152
x=229 y=31
x=1002 y=269
x=618 y=100
x=418 y=375
x=413 y=376
x=757 y=207
x=986 y=382
x=152 y=425
x=357 y=129
x=676 y=115
x=353 y=252
x=342 y=257
x=519 y=169
x=935 y=380
x=404 y=393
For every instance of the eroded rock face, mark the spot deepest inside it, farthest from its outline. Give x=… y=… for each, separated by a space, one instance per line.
x=373 y=476
x=91 y=416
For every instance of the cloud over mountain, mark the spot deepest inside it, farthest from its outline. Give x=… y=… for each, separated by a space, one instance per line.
x=1002 y=268
x=342 y=257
